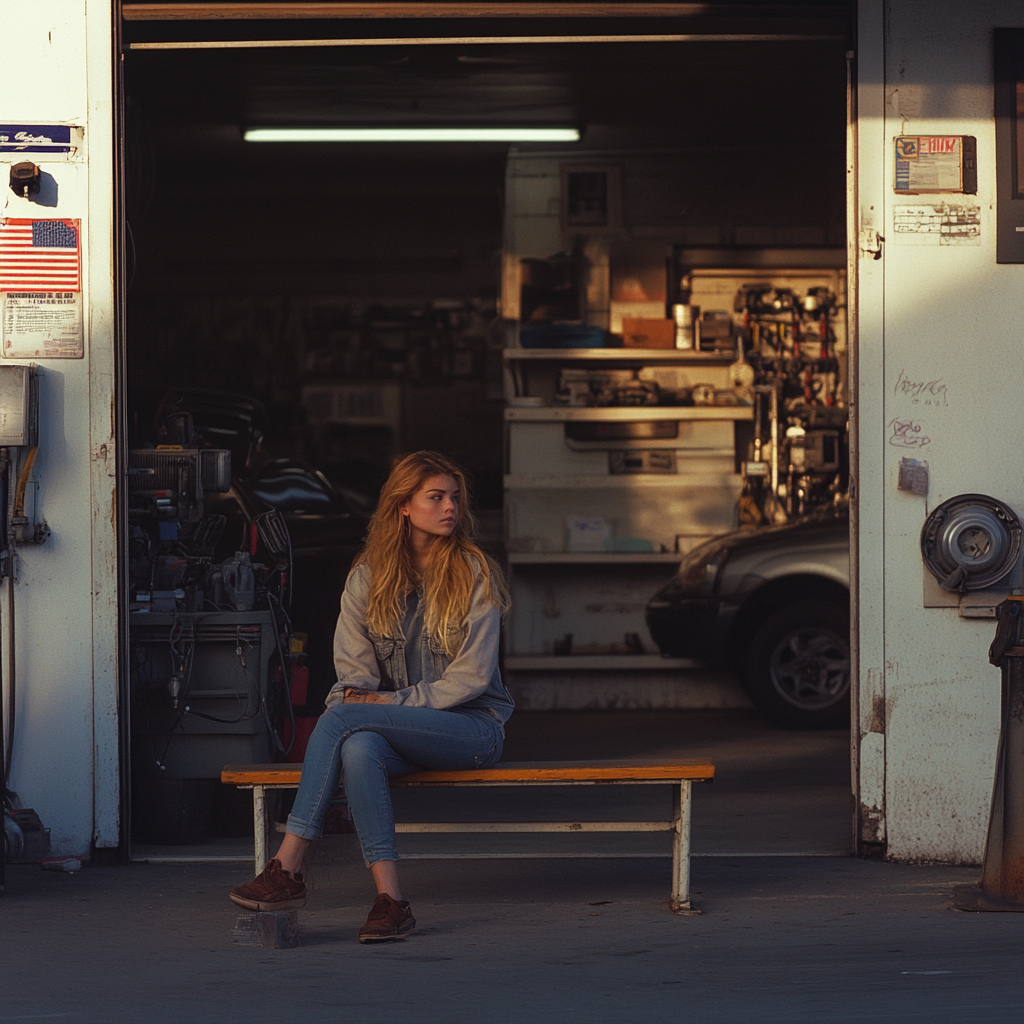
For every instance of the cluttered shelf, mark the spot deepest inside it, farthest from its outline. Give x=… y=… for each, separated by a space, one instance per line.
x=644 y=355
x=594 y=557
x=552 y=413
x=627 y=481
x=614 y=662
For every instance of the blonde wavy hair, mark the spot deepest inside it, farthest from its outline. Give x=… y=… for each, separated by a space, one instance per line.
x=454 y=562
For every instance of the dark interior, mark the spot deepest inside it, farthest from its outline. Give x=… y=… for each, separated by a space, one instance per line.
x=261 y=268
x=269 y=270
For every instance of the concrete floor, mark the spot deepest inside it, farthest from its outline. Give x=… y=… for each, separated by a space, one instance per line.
x=783 y=938
x=787 y=940
x=776 y=791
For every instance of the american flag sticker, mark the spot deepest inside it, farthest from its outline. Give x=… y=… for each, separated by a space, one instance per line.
x=40 y=255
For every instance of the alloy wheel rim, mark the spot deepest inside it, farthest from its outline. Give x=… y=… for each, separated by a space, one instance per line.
x=810 y=668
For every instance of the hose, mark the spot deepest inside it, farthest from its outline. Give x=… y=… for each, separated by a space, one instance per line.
x=19 y=491
x=7 y=702
x=285 y=751
x=18 y=509
x=5 y=486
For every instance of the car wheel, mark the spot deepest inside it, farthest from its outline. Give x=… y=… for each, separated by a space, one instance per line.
x=798 y=667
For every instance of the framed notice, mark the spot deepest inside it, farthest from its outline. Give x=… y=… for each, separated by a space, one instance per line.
x=42 y=325
x=936 y=163
x=41 y=307
x=591 y=197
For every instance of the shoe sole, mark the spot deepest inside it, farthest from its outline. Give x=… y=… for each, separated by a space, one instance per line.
x=400 y=934
x=263 y=906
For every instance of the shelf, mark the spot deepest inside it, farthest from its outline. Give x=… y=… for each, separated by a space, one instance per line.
x=595 y=557
x=613 y=662
x=563 y=413
x=214 y=695
x=627 y=481
x=643 y=355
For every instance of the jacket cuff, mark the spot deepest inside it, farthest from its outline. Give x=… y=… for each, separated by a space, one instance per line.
x=336 y=695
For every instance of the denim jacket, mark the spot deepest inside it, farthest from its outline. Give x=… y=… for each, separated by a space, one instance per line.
x=367 y=660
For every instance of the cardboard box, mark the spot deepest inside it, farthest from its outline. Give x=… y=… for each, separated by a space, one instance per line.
x=619 y=311
x=644 y=332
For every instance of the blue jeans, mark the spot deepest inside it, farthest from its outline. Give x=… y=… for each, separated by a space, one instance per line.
x=368 y=743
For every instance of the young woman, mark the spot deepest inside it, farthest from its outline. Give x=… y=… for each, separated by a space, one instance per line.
x=416 y=652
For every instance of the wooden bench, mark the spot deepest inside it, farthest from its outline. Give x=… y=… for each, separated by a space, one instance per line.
x=680 y=775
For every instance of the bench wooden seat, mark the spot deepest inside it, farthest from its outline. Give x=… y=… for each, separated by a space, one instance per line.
x=678 y=774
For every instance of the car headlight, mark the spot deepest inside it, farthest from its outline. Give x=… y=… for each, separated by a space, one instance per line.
x=698 y=572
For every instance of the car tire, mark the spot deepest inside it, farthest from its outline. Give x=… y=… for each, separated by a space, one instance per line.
x=797 y=668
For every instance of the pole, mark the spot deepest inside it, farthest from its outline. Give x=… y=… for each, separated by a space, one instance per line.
x=1002 y=875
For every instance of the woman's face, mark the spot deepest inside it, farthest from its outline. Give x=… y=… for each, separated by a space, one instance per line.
x=433 y=510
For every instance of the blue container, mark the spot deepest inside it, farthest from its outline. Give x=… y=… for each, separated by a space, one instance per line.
x=565 y=336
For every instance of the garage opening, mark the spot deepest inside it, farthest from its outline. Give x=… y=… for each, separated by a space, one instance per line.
x=634 y=342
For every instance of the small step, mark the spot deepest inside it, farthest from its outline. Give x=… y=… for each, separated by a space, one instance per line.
x=277 y=929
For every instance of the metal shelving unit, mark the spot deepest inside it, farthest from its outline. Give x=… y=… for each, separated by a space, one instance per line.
x=594 y=558
x=628 y=355
x=596 y=598
x=561 y=413
x=615 y=662
x=540 y=481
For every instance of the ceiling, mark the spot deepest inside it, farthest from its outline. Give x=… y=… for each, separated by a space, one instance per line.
x=715 y=92
x=734 y=106
x=759 y=71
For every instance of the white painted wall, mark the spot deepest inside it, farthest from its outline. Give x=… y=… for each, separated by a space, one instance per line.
x=928 y=715
x=926 y=745
x=57 y=69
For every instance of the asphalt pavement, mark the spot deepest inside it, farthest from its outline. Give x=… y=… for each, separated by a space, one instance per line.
x=792 y=931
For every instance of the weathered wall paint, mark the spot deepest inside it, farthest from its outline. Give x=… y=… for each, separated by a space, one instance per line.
x=868 y=409
x=925 y=315
x=58 y=69
x=947 y=318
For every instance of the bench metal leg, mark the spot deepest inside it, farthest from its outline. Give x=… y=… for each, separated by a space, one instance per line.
x=260 y=829
x=680 y=899
x=680 y=827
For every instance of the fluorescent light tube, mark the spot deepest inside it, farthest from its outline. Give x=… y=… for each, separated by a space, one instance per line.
x=412 y=135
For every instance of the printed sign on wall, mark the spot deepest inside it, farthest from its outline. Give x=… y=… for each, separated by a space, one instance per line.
x=61 y=140
x=936 y=163
x=41 y=289
x=937 y=223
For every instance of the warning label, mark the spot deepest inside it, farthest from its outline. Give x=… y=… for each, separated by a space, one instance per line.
x=42 y=325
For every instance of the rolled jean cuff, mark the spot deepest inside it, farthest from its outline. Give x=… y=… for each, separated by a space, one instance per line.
x=371 y=857
x=303 y=829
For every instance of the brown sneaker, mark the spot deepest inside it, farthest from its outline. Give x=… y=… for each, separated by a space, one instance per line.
x=388 y=919
x=271 y=889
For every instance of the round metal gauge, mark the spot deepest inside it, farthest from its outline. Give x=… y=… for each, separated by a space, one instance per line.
x=970 y=542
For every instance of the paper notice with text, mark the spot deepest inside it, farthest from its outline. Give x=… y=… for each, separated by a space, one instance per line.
x=41 y=304
x=42 y=325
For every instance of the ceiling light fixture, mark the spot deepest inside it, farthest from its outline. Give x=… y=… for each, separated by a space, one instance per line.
x=510 y=134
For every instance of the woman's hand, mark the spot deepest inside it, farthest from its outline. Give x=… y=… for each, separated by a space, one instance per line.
x=356 y=696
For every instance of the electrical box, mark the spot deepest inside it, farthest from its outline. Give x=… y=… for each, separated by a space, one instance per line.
x=19 y=407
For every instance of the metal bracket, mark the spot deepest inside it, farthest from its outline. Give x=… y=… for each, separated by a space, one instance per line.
x=28 y=533
x=871 y=243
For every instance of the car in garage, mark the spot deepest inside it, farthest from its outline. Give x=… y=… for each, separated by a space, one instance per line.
x=773 y=602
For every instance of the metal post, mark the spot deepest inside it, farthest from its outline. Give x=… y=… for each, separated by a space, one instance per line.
x=1002 y=875
x=259 y=815
x=680 y=900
